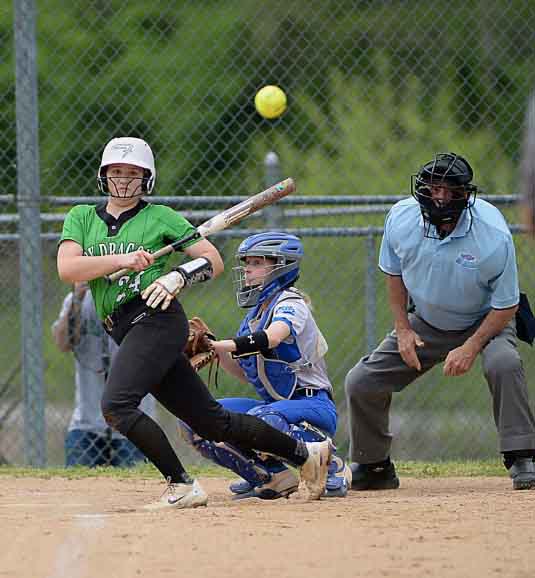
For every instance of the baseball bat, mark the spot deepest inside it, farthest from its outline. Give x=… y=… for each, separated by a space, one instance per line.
x=223 y=220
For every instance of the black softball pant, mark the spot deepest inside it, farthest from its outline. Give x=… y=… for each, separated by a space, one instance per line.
x=150 y=360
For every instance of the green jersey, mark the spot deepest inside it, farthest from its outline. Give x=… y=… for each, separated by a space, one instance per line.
x=147 y=226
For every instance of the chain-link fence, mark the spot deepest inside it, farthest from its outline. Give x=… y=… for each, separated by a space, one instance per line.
x=374 y=90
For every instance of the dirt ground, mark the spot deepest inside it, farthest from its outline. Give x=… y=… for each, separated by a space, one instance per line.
x=428 y=528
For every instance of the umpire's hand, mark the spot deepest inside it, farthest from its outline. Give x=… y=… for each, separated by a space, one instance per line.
x=460 y=360
x=408 y=341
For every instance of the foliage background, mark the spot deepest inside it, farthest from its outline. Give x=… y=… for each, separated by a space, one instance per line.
x=374 y=90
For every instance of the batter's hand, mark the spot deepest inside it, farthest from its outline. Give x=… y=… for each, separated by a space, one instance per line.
x=137 y=260
x=408 y=341
x=163 y=290
x=460 y=360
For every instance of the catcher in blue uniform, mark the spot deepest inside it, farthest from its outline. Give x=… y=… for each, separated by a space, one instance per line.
x=280 y=351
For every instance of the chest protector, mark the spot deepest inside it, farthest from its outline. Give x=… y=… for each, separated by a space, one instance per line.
x=272 y=377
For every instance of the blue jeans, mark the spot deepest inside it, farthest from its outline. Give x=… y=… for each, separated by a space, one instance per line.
x=91 y=449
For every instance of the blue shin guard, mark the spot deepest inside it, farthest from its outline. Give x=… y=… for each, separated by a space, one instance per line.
x=339 y=474
x=250 y=468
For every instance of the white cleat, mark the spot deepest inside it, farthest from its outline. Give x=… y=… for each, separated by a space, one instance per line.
x=180 y=496
x=281 y=485
x=314 y=470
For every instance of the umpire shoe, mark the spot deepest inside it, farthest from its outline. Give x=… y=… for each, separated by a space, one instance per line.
x=522 y=473
x=381 y=476
x=281 y=485
x=314 y=470
x=180 y=496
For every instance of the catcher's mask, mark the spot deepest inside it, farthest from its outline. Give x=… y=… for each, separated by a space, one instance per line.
x=444 y=190
x=131 y=151
x=285 y=251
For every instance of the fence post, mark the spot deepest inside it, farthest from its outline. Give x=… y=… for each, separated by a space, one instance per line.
x=371 y=292
x=272 y=175
x=30 y=256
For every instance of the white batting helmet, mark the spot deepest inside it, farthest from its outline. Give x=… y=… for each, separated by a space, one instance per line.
x=131 y=151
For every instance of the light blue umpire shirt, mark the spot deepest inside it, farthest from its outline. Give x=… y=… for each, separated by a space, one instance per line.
x=454 y=282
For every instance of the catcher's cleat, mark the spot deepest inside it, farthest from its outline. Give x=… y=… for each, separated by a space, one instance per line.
x=314 y=470
x=281 y=485
x=339 y=477
x=374 y=477
x=180 y=496
x=240 y=487
x=522 y=473
x=338 y=482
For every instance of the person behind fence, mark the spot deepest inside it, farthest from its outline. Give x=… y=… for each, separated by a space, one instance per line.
x=453 y=255
x=279 y=350
x=141 y=313
x=90 y=441
x=527 y=174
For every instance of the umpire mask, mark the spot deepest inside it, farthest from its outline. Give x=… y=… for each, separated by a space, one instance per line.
x=443 y=190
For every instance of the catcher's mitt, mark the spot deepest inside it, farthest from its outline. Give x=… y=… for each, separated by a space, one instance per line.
x=198 y=348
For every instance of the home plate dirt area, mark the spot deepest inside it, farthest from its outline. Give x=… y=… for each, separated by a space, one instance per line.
x=94 y=527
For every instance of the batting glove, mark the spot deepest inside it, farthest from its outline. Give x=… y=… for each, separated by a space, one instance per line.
x=163 y=290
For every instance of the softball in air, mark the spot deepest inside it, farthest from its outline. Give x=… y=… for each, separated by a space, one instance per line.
x=270 y=101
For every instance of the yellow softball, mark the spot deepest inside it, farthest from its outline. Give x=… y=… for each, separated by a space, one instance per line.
x=270 y=101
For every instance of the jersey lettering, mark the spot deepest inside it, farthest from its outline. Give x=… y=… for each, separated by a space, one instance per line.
x=132 y=284
x=112 y=248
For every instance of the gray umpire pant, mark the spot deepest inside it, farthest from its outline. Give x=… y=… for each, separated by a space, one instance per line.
x=370 y=384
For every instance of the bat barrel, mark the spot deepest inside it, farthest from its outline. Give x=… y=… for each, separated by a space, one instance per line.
x=226 y=218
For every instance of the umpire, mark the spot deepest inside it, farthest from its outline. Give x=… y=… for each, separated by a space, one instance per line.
x=453 y=256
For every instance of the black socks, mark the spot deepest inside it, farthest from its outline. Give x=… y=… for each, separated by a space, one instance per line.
x=148 y=437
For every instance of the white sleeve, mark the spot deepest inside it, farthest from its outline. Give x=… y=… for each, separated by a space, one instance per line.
x=293 y=312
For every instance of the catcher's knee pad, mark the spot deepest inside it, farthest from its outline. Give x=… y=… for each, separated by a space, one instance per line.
x=223 y=454
x=301 y=430
x=307 y=432
x=271 y=417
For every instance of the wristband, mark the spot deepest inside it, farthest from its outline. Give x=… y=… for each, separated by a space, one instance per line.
x=196 y=271
x=252 y=343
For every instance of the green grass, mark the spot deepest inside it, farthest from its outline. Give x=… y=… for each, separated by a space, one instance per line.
x=451 y=469
x=446 y=469
x=78 y=472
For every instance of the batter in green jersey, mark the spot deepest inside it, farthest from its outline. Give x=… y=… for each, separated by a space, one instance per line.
x=99 y=233
x=142 y=314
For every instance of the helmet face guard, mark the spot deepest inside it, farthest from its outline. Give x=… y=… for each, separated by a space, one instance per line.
x=107 y=185
x=283 y=252
x=449 y=172
x=131 y=151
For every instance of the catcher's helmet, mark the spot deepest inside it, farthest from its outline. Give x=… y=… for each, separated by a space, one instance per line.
x=285 y=250
x=131 y=151
x=450 y=171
